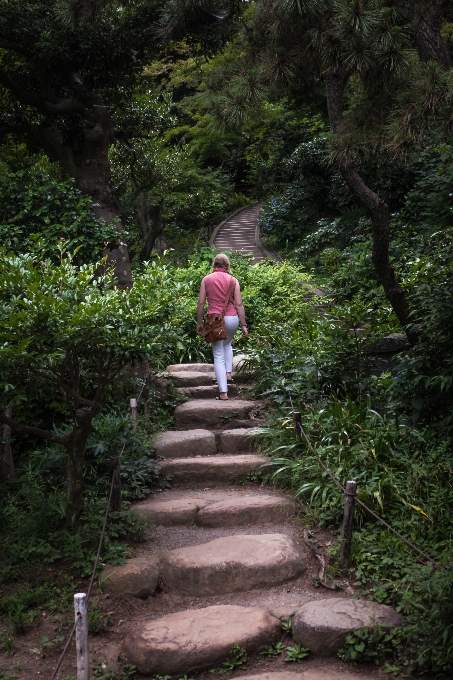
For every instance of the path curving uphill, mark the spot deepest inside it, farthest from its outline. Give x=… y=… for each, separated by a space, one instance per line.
x=239 y=233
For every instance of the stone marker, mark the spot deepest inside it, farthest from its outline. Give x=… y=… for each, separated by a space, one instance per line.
x=198 y=638
x=138 y=577
x=232 y=564
x=184 y=444
x=322 y=625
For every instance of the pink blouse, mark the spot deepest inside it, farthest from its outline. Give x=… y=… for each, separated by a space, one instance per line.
x=217 y=285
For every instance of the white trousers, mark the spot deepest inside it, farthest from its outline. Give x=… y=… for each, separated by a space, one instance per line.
x=223 y=353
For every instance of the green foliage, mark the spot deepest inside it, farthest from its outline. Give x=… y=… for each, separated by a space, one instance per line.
x=296 y=653
x=37 y=211
x=274 y=649
x=286 y=625
x=370 y=644
x=98 y=620
x=235 y=660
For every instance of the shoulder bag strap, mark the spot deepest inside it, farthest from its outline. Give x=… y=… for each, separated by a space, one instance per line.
x=228 y=295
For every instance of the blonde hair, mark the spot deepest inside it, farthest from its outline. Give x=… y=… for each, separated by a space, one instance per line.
x=221 y=260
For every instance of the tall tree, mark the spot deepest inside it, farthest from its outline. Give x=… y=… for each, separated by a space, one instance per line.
x=365 y=52
x=68 y=67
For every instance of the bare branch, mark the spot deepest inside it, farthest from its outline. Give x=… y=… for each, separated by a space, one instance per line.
x=14 y=47
x=36 y=431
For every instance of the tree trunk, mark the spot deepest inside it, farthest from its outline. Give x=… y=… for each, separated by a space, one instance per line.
x=7 y=468
x=86 y=159
x=426 y=31
x=75 y=449
x=336 y=79
x=150 y=219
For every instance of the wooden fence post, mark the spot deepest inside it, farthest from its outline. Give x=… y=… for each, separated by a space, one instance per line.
x=115 y=478
x=133 y=403
x=298 y=425
x=348 y=521
x=7 y=468
x=147 y=379
x=83 y=657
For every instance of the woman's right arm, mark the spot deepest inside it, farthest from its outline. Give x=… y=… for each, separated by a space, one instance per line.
x=200 y=307
x=240 y=309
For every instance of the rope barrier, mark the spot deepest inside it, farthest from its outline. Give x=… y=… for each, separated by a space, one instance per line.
x=93 y=574
x=63 y=653
x=361 y=503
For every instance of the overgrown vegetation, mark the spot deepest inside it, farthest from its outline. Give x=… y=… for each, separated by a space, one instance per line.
x=337 y=115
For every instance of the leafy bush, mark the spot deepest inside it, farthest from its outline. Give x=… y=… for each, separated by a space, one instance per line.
x=37 y=210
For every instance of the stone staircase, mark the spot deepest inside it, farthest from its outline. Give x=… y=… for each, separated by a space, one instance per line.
x=225 y=562
x=239 y=233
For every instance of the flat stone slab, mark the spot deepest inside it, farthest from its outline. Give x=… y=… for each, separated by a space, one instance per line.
x=190 y=378
x=139 y=577
x=197 y=368
x=240 y=439
x=320 y=674
x=198 y=638
x=184 y=444
x=210 y=468
x=232 y=564
x=212 y=414
x=205 y=391
x=322 y=625
x=227 y=511
x=246 y=510
x=176 y=512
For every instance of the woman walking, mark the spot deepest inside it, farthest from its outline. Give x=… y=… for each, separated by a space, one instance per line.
x=215 y=288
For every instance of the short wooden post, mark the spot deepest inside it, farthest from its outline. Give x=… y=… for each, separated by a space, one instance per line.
x=133 y=403
x=348 y=521
x=83 y=656
x=7 y=469
x=115 y=480
x=147 y=379
x=298 y=425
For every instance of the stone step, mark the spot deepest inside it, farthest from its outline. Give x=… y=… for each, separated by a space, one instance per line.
x=194 y=368
x=205 y=391
x=312 y=674
x=186 y=443
x=239 y=439
x=218 y=509
x=232 y=564
x=210 y=468
x=180 y=643
x=190 y=378
x=213 y=414
x=322 y=625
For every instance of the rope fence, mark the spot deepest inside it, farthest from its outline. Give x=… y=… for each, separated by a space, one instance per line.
x=350 y=493
x=80 y=627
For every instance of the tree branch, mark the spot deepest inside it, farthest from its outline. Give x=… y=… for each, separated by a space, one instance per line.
x=14 y=47
x=36 y=431
x=64 y=106
x=81 y=400
x=336 y=79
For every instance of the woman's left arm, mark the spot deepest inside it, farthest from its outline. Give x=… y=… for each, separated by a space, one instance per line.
x=200 y=307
